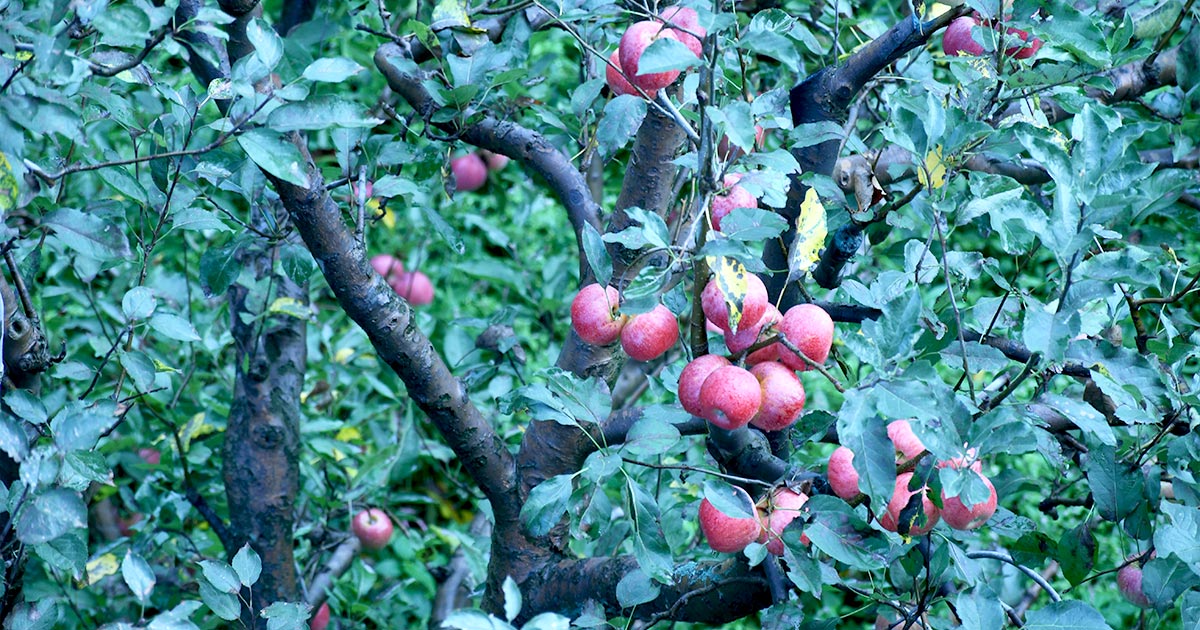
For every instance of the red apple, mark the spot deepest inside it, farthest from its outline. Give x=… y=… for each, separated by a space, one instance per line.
x=648 y=335
x=735 y=197
x=150 y=455
x=747 y=336
x=594 y=314
x=373 y=528
x=810 y=329
x=685 y=25
x=386 y=265
x=729 y=534
x=494 y=161
x=413 y=286
x=843 y=478
x=1026 y=49
x=957 y=40
x=320 y=621
x=354 y=190
x=634 y=42
x=784 y=508
x=1129 y=582
x=754 y=306
x=908 y=445
x=959 y=516
x=470 y=172
x=890 y=520
x=782 y=397
x=692 y=378
x=727 y=150
x=616 y=81
x=730 y=397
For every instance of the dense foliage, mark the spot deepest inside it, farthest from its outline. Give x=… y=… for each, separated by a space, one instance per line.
x=205 y=380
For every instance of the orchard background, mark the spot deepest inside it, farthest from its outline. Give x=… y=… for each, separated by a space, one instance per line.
x=205 y=380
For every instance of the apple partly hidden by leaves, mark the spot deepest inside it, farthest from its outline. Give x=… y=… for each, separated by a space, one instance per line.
x=747 y=336
x=320 y=620
x=648 y=335
x=784 y=507
x=734 y=197
x=891 y=519
x=470 y=172
x=730 y=397
x=617 y=82
x=843 y=478
x=685 y=25
x=810 y=329
x=692 y=378
x=782 y=397
x=373 y=528
x=494 y=161
x=956 y=513
x=1129 y=582
x=957 y=40
x=729 y=534
x=726 y=150
x=594 y=314
x=754 y=306
x=908 y=445
x=413 y=286
x=634 y=42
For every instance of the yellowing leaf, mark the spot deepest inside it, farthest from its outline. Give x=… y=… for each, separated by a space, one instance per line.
x=731 y=277
x=101 y=567
x=9 y=188
x=811 y=230
x=343 y=355
x=389 y=217
x=196 y=427
x=933 y=173
x=348 y=434
x=290 y=306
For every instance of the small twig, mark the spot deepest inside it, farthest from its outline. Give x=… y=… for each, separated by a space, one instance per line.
x=109 y=71
x=962 y=342
x=1162 y=42
x=680 y=121
x=686 y=467
x=1032 y=363
x=812 y=364
x=16 y=72
x=1033 y=575
x=338 y=563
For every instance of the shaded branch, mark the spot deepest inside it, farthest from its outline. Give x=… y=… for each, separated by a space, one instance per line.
x=103 y=70
x=339 y=562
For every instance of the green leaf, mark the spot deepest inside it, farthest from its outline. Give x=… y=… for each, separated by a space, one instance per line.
x=331 y=70
x=474 y=620
x=140 y=368
x=50 y=515
x=636 y=588
x=546 y=505
x=174 y=327
x=753 y=224
x=138 y=576
x=221 y=576
x=78 y=428
x=194 y=218
x=223 y=605
x=597 y=254
x=26 y=406
x=1066 y=615
x=276 y=155
x=730 y=501
x=138 y=303
x=1116 y=488
x=286 y=616
x=548 y=621
x=623 y=116
x=650 y=436
x=89 y=235
x=178 y=618
x=321 y=112
x=666 y=54
x=247 y=565
x=512 y=598
x=836 y=530
x=219 y=267
x=1077 y=553
x=268 y=47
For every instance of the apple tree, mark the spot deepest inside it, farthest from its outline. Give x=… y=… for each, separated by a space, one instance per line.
x=588 y=314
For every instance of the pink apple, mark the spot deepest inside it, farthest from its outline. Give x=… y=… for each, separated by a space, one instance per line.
x=634 y=42
x=594 y=314
x=957 y=40
x=754 y=306
x=494 y=161
x=729 y=534
x=413 y=286
x=1026 y=49
x=386 y=265
x=784 y=507
x=890 y=520
x=810 y=329
x=373 y=528
x=958 y=515
x=648 y=335
x=747 y=336
x=470 y=172
x=320 y=620
x=617 y=82
x=843 y=478
x=734 y=197
x=1129 y=583
x=782 y=397
x=908 y=445
x=730 y=397
x=150 y=455
x=685 y=25
x=692 y=378
x=354 y=190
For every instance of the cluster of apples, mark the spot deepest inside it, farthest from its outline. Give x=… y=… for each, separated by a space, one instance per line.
x=413 y=286
x=597 y=320
x=843 y=478
x=678 y=23
x=765 y=524
x=957 y=40
x=471 y=170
